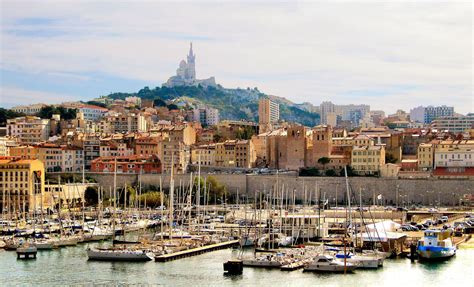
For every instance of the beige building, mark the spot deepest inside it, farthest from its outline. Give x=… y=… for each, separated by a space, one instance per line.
x=367 y=160
x=268 y=114
x=21 y=185
x=176 y=146
x=425 y=156
x=29 y=110
x=235 y=153
x=55 y=158
x=205 y=155
x=389 y=170
x=5 y=144
x=125 y=123
x=29 y=129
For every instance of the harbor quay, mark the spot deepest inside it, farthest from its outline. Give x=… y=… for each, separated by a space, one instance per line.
x=372 y=190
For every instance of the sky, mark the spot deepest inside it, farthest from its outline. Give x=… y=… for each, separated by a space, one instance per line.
x=391 y=55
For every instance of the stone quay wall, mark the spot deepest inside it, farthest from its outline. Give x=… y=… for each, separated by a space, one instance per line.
x=429 y=191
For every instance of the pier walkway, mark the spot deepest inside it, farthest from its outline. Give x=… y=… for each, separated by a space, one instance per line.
x=195 y=251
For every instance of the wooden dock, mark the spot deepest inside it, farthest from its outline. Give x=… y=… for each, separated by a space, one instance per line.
x=195 y=251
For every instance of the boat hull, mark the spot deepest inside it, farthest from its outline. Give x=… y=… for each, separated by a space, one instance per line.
x=330 y=268
x=435 y=252
x=118 y=255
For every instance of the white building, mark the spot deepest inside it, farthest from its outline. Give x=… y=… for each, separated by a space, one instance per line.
x=92 y=113
x=454 y=154
x=206 y=116
x=29 y=129
x=29 y=109
x=5 y=144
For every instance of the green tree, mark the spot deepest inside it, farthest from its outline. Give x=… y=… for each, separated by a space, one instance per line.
x=389 y=158
x=331 y=172
x=91 y=196
x=312 y=171
x=153 y=199
x=6 y=114
x=324 y=160
x=215 y=189
x=48 y=111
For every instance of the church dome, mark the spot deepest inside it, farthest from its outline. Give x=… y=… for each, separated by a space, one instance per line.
x=182 y=64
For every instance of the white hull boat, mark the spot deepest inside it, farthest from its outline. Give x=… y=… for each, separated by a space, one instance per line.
x=326 y=263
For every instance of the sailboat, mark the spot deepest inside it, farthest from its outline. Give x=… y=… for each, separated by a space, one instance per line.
x=358 y=260
x=113 y=253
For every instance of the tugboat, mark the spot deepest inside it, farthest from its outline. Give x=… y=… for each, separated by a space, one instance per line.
x=436 y=244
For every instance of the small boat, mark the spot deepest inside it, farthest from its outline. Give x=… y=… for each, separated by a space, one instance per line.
x=436 y=244
x=362 y=261
x=325 y=263
x=119 y=255
x=46 y=244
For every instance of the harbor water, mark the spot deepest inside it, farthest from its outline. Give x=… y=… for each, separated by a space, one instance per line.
x=69 y=266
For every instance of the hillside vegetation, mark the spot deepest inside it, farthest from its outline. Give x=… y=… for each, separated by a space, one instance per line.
x=233 y=104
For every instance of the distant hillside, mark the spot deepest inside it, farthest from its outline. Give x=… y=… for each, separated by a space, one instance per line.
x=234 y=104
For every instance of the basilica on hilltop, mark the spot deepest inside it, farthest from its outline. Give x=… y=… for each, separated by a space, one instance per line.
x=186 y=73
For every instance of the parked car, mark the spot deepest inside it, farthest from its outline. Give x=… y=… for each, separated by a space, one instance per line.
x=444 y=218
x=421 y=227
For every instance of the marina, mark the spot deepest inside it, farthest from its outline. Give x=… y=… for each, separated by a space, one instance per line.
x=70 y=266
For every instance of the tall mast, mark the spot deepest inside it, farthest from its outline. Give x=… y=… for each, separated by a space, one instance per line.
x=171 y=210
x=115 y=199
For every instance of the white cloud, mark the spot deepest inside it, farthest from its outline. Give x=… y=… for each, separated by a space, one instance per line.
x=302 y=51
x=13 y=96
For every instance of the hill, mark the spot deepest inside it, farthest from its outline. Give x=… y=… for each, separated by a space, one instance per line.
x=233 y=104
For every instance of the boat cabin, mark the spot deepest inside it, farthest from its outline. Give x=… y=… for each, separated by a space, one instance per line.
x=437 y=238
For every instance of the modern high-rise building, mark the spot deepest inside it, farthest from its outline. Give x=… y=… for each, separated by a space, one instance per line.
x=352 y=113
x=428 y=114
x=268 y=114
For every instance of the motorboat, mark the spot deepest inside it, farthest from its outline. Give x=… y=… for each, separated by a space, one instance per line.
x=326 y=263
x=113 y=254
x=362 y=261
x=436 y=244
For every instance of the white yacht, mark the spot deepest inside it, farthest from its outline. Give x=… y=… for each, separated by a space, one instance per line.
x=325 y=263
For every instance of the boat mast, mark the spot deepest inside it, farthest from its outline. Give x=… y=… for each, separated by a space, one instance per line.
x=115 y=200
x=171 y=194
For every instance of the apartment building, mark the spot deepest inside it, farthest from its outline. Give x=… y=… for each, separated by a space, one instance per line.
x=134 y=164
x=425 y=156
x=21 y=184
x=454 y=154
x=56 y=158
x=367 y=160
x=28 y=129
x=454 y=124
x=204 y=155
x=268 y=114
